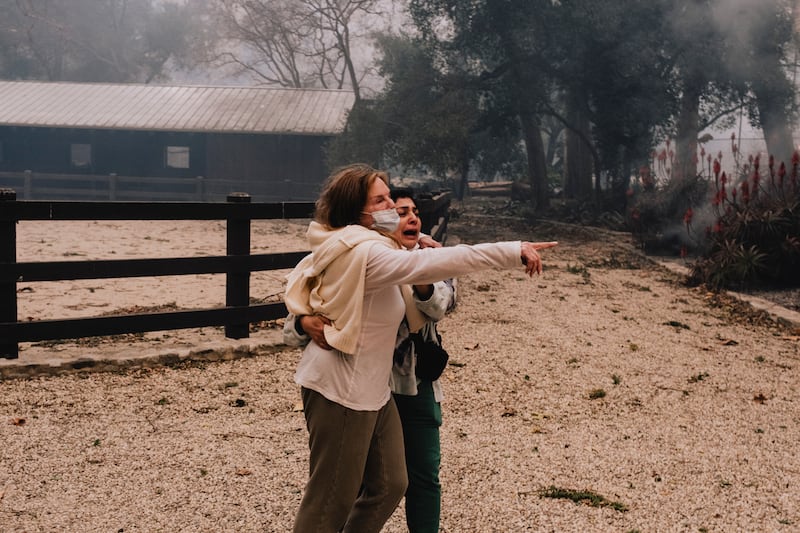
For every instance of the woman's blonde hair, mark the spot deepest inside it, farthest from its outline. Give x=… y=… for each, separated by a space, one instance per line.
x=344 y=195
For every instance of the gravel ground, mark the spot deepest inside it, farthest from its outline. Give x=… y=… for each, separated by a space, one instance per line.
x=602 y=396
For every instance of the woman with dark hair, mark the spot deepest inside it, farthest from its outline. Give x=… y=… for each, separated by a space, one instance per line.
x=359 y=279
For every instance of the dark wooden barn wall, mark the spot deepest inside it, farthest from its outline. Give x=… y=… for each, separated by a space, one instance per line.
x=285 y=166
x=270 y=167
x=126 y=153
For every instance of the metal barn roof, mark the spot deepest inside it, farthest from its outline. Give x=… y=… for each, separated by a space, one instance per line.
x=174 y=108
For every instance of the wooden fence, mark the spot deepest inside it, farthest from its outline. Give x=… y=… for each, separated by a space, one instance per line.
x=237 y=264
x=111 y=187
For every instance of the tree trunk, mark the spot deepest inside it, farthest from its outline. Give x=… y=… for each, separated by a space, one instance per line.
x=464 y=178
x=774 y=98
x=687 y=129
x=775 y=124
x=578 y=156
x=537 y=165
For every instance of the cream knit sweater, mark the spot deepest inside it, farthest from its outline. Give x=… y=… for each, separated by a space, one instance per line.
x=330 y=282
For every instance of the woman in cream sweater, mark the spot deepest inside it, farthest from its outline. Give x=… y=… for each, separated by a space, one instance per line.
x=359 y=278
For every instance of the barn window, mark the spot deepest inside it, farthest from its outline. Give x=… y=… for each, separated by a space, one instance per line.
x=177 y=157
x=80 y=155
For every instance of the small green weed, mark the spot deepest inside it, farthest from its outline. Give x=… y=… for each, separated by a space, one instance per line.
x=582 y=496
x=596 y=394
x=580 y=270
x=676 y=324
x=699 y=377
x=636 y=286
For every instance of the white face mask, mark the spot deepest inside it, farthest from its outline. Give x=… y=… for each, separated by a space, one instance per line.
x=385 y=219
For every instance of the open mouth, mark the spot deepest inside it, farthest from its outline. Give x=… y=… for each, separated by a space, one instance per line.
x=411 y=233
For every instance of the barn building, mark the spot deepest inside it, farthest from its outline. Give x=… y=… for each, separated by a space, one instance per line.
x=93 y=141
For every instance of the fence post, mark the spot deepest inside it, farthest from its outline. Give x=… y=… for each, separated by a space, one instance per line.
x=8 y=289
x=237 y=284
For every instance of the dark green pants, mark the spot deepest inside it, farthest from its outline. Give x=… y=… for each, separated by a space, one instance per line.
x=421 y=416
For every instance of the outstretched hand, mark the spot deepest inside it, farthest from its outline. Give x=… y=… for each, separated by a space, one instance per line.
x=531 y=258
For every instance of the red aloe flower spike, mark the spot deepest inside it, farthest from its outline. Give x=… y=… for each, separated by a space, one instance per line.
x=745 y=192
x=795 y=158
x=756 y=182
x=723 y=179
x=771 y=175
x=687 y=217
x=684 y=251
x=717 y=167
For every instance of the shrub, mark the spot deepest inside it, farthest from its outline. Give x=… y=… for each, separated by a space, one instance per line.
x=659 y=203
x=754 y=239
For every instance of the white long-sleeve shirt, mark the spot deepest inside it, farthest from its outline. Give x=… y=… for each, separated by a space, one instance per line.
x=360 y=381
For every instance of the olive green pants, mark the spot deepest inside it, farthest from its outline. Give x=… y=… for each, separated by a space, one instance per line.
x=421 y=417
x=357 y=473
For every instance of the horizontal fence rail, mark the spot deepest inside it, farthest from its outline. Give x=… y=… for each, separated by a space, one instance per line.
x=112 y=187
x=237 y=314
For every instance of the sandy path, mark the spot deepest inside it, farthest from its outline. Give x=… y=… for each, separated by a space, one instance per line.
x=602 y=376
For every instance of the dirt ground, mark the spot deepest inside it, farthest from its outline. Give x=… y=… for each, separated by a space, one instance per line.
x=602 y=396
